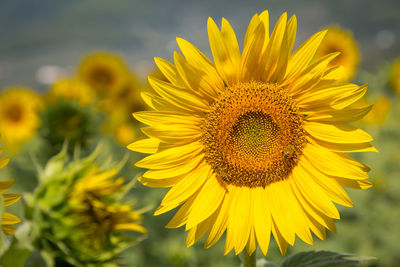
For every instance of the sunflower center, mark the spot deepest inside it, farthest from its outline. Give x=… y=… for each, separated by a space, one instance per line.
x=102 y=76
x=14 y=113
x=253 y=135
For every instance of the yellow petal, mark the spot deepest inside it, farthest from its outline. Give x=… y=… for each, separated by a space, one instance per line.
x=8 y=229
x=303 y=55
x=177 y=134
x=182 y=214
x=344 y=134
x=9 y=218
x=329 y=185
x=337 y=96
x=314 y=214
x=195 y=79
x=5 y=185
x=198 y=231
x=185 y=188
x=226 y=61
x=282 y=243
x=353 y=147
x=197 y=59
x=219 y=223
x=159 y=117
x=252 y=66
x=313 y=192
x=169 y=71
x=262 y=219
x=131 y=227
x=177 y=96
x=10 y=199
x=206 y=202
x=175 y=171
x=339 y=116
x=170 y=157
x=279 y=210
x=274 y=50
x=334 y=164
x=146 y=146
x=3 y=162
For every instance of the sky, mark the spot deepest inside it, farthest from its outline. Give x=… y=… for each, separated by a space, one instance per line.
x=44 y=39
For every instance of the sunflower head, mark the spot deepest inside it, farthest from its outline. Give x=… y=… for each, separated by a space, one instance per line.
x=341 y=40
x=255 y=141
x=7 y=218
x=105 y=72
x=71 y=90
x=79 y=214
x=19 y=119
x=67 y=121
x=395 y=76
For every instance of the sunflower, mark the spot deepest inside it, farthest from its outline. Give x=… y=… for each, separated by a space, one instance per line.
x=341 y=40
x=395 y=76
x=7 y=219
x=379 y=111
x=104 y=72
x=125 y=133
x=77 y=216
x=67 y=120
x=19 y=118
x=71 y=89
x=254 y=143
x=97 y=218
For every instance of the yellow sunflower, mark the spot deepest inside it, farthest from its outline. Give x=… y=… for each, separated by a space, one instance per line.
x=104 y=72
x=255 y=142
x=395 y=76
x=19 y=119
x=97 y=217
x=379 y=111
x=71 y=89
x=341 y=40
x=125 y=134
x=7 y=219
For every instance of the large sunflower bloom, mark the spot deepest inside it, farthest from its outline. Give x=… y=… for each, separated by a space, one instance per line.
x=341 y=40
x=254 y=143
x=7 y=218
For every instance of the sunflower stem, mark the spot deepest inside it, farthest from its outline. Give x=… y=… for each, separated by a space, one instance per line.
x=248 y=260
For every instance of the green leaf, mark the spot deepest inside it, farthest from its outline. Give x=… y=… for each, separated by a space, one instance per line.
x=54 y=165
x=16 y=255
x=323 y=258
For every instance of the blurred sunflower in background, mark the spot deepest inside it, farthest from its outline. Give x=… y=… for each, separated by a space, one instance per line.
x=379 y=112
x=19 y=118
x=395 y=76
x=105 y=72
x=256 y=142
x=341 y=40
x=76 y=215
x=68 y=121
x=71 y=89
x=7 y=218
x=119 y=107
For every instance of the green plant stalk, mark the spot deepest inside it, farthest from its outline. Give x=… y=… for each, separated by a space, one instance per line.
x=248 y=260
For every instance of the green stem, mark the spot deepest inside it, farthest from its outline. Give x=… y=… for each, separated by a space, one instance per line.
x=248 y=260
